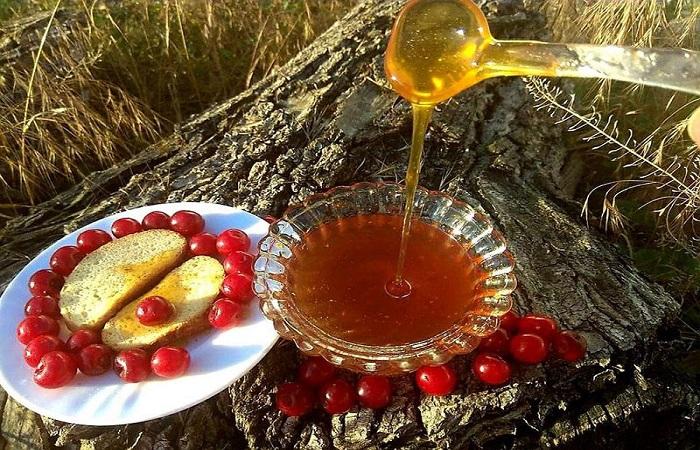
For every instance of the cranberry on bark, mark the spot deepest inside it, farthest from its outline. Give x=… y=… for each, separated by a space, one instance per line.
x=528 y=348
x=569 y=346
x=436 y=380
x=337 y=396
x=294 y=399
x=374 y=391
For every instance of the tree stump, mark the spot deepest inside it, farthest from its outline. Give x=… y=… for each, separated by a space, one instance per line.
x=327 y=118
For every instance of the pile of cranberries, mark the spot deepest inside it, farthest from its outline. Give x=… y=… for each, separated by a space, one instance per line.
x=56 y=362
x=318 y=383
x=530 y=339
x=527 y=340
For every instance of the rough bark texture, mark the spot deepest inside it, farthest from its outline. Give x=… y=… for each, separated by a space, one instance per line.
x=326 y=119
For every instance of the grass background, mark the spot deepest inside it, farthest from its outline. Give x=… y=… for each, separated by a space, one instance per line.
x=122 y=74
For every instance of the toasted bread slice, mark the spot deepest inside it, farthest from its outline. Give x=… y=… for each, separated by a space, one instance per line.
x=111 y=276
x=191 y=288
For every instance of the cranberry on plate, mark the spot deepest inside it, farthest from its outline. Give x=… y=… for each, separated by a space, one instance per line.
x=55 y=369
x=239 y=262
x=528 y=348
x=154 y=310
x=315 y=371
x=34 y=326
x=543 y=326
x=374 y=391
x=490 y=368
x=95 y=359
x=569 y=346
x=42 y=305
x=64 y=260
x=132 y=365
x=45 y=282
x=496 y=342
x=270 y=219
x=170 y=362
x=203 y=244
x=81 y=339
x=337 y=396
x=436 y=380
x=231 y=241
x=90 y=240
x=39 y=346
x=187 y=223
x=294 y=399
x=125 y=226
x=156 y=220
x=238 y=287
x=225 y=313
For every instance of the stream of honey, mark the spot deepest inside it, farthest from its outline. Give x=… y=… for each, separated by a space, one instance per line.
x=437 y=49
x=383 y=279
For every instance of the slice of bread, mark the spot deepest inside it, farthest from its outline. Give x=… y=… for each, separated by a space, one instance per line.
x=191 y=288
x=111 y=276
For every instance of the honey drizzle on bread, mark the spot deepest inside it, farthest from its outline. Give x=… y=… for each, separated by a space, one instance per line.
x=190 y=288
x=111 y=276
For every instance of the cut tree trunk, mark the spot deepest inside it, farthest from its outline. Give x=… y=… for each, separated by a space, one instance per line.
x=327 y=118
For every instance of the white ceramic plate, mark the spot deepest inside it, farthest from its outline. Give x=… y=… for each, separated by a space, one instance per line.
x=218 y=357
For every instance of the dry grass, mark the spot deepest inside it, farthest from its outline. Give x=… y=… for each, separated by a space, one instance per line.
x=652 y=163
x=124 y=72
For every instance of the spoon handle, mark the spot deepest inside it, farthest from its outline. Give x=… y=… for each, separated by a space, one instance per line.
x=671 y=68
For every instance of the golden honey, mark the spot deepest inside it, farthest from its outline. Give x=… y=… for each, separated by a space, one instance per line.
x=340 y=269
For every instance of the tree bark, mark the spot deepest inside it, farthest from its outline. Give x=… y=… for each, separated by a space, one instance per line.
x=327 y=118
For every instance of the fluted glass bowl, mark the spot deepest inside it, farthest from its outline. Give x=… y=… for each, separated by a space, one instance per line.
x=485 y=246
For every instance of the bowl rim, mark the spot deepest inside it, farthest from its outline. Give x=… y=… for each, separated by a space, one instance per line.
x=299 y=328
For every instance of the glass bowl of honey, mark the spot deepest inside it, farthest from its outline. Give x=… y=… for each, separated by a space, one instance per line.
x=324 y=271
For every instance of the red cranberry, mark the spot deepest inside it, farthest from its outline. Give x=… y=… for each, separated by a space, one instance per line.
x=315 y=371
x=126 y=226
x=436 y=380
x=337 y=396
x=64 y=260
x=34 y=326
x=225 y=313
x=45 y=282
x=154 y=310
x=81 y=339
x=238 y=287
x=95 y=359
x=187 y=223
x=232 y=240
x=156 y=220
x=91 y=240
x=294 y=399
x=543 y=326
x=569 y=346
x=270 y=219
x=509 y=322
x=491 y=368
x=203 y=244
x=55 y=369
x=132 y=365
x=528 y=348
x=39 y=346
x=496 y=342
x=374 y=391
x=239 y=262
x=42 y=305
x=170 y=362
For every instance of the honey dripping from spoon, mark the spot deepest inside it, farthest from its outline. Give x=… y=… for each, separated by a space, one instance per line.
x=439 y=48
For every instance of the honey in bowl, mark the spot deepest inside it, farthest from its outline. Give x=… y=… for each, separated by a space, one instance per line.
x=340 y=271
